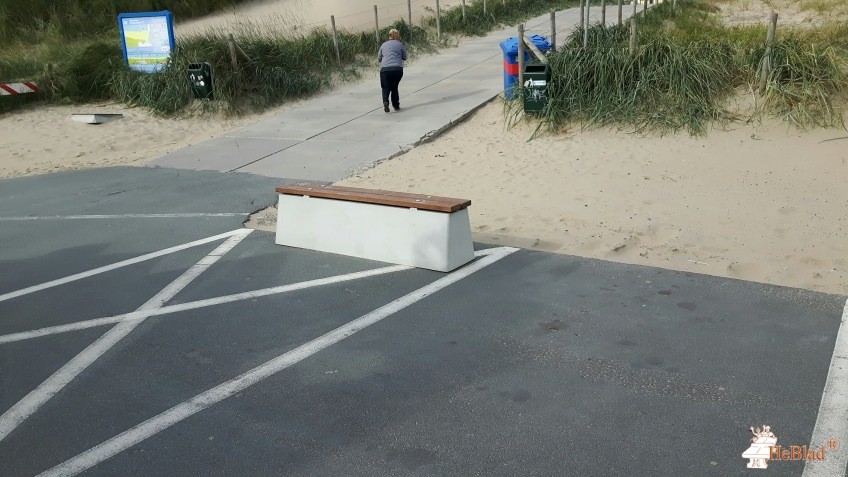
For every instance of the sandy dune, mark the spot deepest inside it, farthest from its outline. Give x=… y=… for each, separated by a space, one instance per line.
x=762 y=203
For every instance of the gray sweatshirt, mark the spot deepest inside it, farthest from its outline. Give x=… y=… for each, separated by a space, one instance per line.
x=392 y=54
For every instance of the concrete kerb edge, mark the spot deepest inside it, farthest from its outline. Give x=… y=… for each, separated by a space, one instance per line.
x=257 y=215
x=428 y=137
x=438 y=132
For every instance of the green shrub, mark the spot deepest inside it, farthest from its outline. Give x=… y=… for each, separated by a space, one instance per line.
x=88 y=76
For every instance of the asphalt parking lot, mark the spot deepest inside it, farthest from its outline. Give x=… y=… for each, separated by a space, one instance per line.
x=143 y=331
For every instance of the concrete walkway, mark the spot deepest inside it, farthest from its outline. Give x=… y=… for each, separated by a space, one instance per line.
x=335 y=135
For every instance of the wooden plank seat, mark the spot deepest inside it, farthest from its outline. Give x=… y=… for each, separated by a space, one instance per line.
x=419 y=230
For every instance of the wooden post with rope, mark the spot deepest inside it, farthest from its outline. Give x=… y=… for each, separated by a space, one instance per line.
x=232 y=42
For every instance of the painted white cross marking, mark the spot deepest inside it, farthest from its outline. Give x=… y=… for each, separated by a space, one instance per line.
x=24 y=408
x=114 y=266
x=159 y=423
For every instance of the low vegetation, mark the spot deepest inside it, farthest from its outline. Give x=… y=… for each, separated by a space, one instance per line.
x=686 y=69
x=282 y=65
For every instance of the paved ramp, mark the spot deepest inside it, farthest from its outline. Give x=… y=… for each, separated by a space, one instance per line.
x=332 y=136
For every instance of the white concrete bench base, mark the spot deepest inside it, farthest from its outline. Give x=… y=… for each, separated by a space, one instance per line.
x=419 y=238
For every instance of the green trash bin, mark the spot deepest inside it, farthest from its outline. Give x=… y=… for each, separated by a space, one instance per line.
x=200 y=78
x=536 y=79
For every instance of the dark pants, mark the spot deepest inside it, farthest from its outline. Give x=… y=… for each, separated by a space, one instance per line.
x=389 y=81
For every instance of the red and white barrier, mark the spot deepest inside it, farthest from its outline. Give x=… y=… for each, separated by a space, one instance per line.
x=18 y=88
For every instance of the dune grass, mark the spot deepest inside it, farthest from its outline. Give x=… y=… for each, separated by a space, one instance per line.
x=685 y=70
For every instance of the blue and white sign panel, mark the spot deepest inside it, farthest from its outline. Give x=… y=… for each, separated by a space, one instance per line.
x=147 y=39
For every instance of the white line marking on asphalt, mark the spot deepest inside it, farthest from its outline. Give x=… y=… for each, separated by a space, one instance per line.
x=140 y=315
x=832 y=420
x=123 y=216
x=107 y=268
x=154 y=425
x=24 y=408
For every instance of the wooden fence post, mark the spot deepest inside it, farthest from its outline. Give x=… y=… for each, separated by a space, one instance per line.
x=48 y=77
x=765 y=68
x=620 y=6
x=632 y=36
x=335 y=39
x=521 y=58
x=463 y=11
x=232 y=42
x=553 y=30
x=582 y=12
x=604 y=12
x=438 y=21
x=409 y=12
x=484 y=7
x=376 y=26
x=586 y=27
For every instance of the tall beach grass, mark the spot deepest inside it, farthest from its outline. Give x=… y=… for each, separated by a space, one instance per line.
x=685 y=71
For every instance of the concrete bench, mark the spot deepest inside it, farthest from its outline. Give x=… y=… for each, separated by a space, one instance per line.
x=407 y=229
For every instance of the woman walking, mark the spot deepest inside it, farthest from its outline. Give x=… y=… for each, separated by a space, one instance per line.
x=391 y=57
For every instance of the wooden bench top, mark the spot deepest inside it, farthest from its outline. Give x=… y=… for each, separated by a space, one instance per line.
x=374 y=196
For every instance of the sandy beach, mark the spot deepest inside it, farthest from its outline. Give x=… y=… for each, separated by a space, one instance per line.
x=45 y=139
x=759 y=202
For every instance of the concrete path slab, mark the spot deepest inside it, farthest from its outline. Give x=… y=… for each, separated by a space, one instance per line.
x=318 y=160
x=225 y=154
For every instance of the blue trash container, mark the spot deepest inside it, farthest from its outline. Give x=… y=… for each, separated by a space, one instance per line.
x=510 y=59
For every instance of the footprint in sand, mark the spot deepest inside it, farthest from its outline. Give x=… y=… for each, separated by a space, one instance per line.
x=743 y=269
